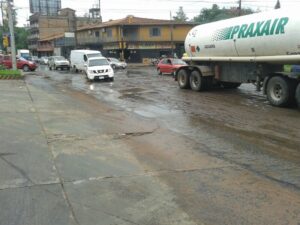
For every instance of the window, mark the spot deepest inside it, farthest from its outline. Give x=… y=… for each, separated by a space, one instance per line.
x=109 y=32
x=97 y=34
x=98 y=62
x=164 y=61
x=154 y=32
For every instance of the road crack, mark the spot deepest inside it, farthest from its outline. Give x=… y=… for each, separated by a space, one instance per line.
x=134 y=134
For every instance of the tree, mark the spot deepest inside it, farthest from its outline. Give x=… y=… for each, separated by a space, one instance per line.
x=21 y=33
x=216 y=13
x=277 y=6
x=180 y=15
x=21 y=37
x=5 y=15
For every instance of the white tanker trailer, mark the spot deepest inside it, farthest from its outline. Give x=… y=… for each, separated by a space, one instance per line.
x=262 y=48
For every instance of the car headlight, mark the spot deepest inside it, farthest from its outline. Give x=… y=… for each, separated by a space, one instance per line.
x=91 y=71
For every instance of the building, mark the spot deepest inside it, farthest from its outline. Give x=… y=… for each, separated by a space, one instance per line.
x=45 y=7
x=135 y=39
x=43 y=28
x=60 y=44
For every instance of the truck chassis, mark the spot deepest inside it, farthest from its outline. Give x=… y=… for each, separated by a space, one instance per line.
x=281 y=87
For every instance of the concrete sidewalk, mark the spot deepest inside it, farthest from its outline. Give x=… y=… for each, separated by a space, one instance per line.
x=63 y=161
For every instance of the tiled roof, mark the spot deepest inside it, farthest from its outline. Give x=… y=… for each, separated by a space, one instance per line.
x=132 y=20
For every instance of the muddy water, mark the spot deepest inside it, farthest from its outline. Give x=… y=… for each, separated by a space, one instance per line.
x=237 y=125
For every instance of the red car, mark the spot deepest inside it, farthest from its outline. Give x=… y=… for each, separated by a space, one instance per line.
x=169 y=65
x=22 y=63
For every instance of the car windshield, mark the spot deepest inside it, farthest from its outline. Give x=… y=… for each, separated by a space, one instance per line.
x=178 y=62
x=21 y=58
x=25 y=55
x=114 y=60
x=59 y=58
x=98 y=62
x=94 y=55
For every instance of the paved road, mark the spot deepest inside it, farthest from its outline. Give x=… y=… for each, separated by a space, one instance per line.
x=141 y=151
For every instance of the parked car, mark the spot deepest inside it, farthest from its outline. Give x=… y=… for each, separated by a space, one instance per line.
x=44 y=60
x=98 y=68
x=35 y=59
x=58 y=62
x=22 y=63
x=169 y=65
x=79 y=58
x=116 y=64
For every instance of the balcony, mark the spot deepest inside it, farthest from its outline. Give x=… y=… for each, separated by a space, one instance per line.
x=33 y=36
x=32 y=46
x=45 y=48
x=95 y=40
x=34 y=26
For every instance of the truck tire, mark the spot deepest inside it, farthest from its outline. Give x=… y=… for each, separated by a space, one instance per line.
x=297 y=95
x=230 y=85
x=196 y=81
x=183 y=79
x=280 y=91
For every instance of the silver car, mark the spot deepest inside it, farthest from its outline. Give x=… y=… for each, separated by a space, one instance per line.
x=116 y=64
x=44 y=60
x=58 y=62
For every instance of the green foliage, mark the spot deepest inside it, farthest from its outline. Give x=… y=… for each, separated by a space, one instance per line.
x=21 y=35
x=21 y=38
x=10 y=74
x=5 y=17
x=216 y=13
x=2 y=67
x=180 y=15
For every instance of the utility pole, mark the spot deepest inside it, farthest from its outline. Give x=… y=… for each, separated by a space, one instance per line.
x=12 y=35
x=240 y=7
x=2 y=15
x=172 y=38
x=100 y=16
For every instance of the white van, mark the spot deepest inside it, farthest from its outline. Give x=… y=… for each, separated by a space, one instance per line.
x=79 y=58
x=24 y=53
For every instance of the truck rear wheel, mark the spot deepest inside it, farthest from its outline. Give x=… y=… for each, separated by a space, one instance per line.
x=280 y=91
x=297 y=95
x=196 y=81
x=183 y=79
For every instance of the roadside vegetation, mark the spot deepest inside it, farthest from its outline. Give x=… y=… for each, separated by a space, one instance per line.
x=215 y=13
x=6 y=74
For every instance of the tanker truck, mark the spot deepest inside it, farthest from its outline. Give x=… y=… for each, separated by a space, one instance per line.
x=261 y=48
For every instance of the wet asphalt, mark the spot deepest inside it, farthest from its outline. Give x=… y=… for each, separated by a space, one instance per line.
x=141 y=151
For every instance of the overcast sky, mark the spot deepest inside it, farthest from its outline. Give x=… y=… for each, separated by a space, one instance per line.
x=158 y=9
